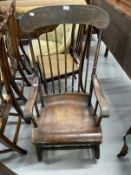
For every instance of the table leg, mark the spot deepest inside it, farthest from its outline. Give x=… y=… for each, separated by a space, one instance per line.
x=124 y=149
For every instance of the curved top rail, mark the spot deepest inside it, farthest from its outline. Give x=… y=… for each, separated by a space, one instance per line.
x=52 y=15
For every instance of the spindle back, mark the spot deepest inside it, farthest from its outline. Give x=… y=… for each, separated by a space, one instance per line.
x=77 y=22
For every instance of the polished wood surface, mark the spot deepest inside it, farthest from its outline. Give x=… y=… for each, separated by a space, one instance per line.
x=127 y=2
x=117 y=36
x=122 y=6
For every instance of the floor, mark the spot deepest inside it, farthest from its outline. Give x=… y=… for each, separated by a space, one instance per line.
x=117 y=89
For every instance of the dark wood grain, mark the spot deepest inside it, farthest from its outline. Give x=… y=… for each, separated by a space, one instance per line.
x=67 y=117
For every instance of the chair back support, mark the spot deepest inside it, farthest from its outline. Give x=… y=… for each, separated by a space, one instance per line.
x=12 y=35
x=86 y=14
x=54 y=66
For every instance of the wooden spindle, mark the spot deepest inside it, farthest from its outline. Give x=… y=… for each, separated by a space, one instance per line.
x=89 y=36
x=50 y=64
x=57 y=57
x=65 y=57
x=43 y=67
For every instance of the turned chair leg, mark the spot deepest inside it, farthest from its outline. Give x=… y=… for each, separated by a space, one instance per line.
x=39 y=153
x=124 y=149
x=106 y=52
x=97 y=151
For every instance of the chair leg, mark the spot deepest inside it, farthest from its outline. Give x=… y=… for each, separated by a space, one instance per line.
x=123 y=151
x=106 y=52
x=23 y=50
x=23 y=76
x=39 y=153
x=97 y=151
x=12 y=145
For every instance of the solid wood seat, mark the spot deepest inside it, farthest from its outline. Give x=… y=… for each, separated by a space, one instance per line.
x=66 y=119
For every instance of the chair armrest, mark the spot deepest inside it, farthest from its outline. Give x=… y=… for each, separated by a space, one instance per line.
x=100 y=97
x=28 y=109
